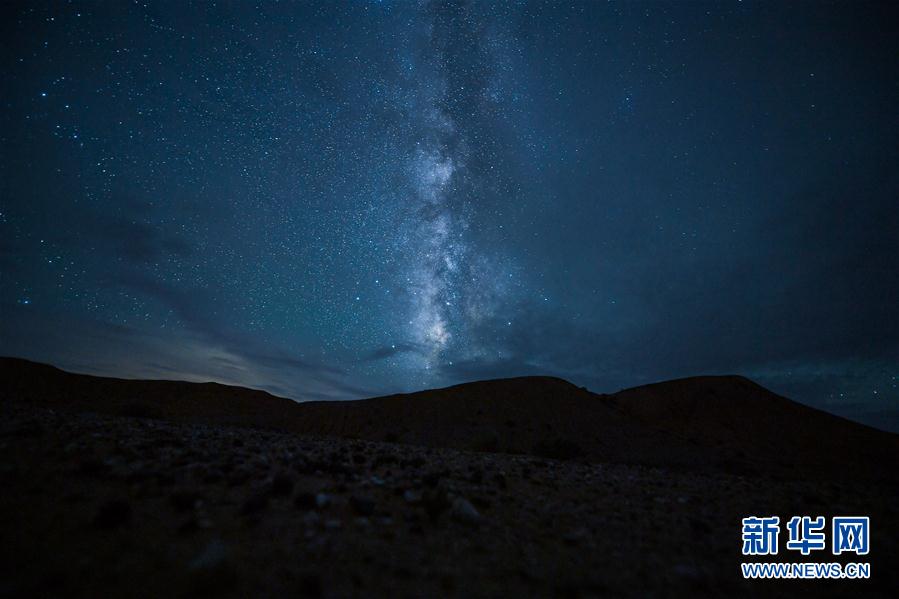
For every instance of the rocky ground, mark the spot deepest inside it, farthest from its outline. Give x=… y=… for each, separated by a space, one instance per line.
x=114 y=506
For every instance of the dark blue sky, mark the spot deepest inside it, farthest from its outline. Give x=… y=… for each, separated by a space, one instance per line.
x=354 y=198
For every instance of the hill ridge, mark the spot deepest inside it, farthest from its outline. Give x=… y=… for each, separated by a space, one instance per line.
x=680 y=423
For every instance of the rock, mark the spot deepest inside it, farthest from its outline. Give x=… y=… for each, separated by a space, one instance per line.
x=412 y=496
x=322 y=500
x=463 y=511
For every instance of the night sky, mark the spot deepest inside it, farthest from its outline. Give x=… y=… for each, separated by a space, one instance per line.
x=349 y=199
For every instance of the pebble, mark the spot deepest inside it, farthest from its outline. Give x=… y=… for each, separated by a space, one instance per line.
x=467 y=494
x=463 y=511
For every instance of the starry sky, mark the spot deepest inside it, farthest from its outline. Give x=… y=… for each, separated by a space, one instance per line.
x=342 y=199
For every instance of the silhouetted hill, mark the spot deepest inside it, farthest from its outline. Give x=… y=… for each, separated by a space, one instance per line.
x=733 y=416
x=542 y=416
x=178 y=401
x=724 y=422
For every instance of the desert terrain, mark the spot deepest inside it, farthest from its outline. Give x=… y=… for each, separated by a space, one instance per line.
x=522 y=487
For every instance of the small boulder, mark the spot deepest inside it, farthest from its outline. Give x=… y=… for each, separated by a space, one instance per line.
x=463 y=511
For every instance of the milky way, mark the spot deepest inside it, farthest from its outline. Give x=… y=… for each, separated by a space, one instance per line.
x=454 y=285
x=337 y=199
x=440 y=269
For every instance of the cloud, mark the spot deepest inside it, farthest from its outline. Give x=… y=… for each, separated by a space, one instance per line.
x=192 y=307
